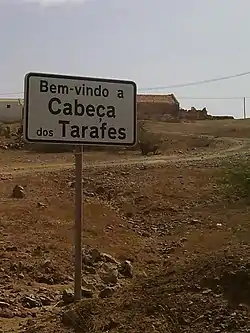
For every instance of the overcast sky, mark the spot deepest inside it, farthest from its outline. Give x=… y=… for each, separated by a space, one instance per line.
x=153 y=42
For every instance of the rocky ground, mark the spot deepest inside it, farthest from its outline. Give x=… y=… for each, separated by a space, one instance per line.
x=164 y=249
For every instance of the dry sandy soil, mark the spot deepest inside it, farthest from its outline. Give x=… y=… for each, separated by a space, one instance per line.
x=187 y=241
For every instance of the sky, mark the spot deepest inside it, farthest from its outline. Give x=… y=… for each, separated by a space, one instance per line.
x=156 y=43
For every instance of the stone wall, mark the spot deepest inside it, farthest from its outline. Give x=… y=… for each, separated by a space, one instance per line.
x=194 y=114
x=157 y=111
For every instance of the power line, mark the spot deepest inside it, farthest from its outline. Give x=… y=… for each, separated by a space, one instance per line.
x=221 y=78
x=197 y=82
x=214 y=98
x=179 y=97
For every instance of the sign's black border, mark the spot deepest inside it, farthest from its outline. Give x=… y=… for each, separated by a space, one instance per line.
x=80 y=78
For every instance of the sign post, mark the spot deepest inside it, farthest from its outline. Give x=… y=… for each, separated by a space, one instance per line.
x=78 y=222
x=74 y=110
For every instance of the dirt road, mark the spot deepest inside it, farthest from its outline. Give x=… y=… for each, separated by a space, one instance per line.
x=240 y=146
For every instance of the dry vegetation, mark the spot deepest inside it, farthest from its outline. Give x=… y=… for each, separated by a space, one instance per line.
x=181 y=218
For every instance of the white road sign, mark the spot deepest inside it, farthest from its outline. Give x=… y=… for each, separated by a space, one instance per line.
x=79 y=110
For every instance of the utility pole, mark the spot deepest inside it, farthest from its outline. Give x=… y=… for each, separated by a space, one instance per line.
x=244 y=108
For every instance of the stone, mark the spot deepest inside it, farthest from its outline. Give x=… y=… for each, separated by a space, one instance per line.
x=70 y=318
x=45 y=279
x=95 y=255
x=4 y=305
x=11 y=249
x=90 y=270
x=106 y=292
x=45 y=300
x=41 y=205
x=183 y=240
x=18 y=192
x=126 y=269
x=86 y=293
x=108 y=258
x=68 y=296
x=71 y=184
x=87 y=284
x=47 y=263
x=87 y=260
x=100 y=190
x=109 y=276
x=30 y=302
x=195 y=221
x=207 y=291
x=89 y=194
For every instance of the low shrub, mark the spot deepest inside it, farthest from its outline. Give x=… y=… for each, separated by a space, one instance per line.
x=236 y=180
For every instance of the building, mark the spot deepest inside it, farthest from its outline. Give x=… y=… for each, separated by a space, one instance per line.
x=11 y=110
x=157 y=107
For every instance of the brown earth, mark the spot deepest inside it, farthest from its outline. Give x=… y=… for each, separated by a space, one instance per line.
x=167 y=214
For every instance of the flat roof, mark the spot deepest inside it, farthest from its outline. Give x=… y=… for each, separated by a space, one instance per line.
x=10 y=100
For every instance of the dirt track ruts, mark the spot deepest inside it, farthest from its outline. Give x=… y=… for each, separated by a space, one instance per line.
x=240 y=147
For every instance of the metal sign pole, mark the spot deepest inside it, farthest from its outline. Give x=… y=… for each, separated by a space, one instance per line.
x=244 y=107
x=78 y=221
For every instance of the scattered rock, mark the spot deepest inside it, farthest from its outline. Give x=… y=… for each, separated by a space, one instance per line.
x=46 y=263
x=11 y=249
x=90 y=270
x=207 y=291
x=95 y=255
x=87 y=260
x=100 y=190
x=41 y=205
x=18 y=192
x=70 y=318
x=41 y=278
x=86 y=293
x=68 y=296
x=109 y=276
x=106 y=292
x=126 y=269
x=45 y=300
x=88 y=285
x=30 y=302
x=89 y=194
x=71 y=184
x=183 y=240
x=108 y=258
x=4 y=305
x=194 y=221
